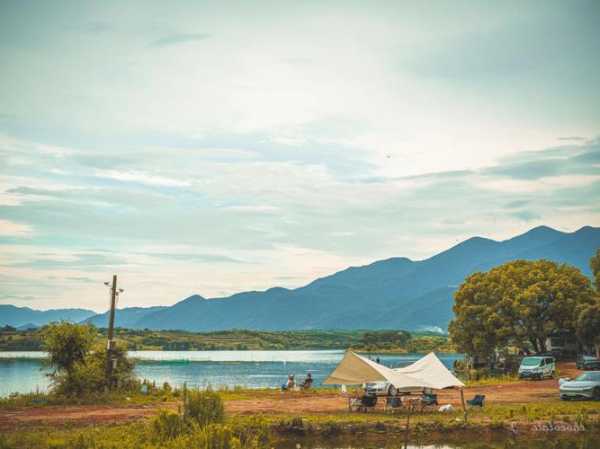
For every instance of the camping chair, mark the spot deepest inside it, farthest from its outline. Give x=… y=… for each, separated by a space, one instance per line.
x=393 y=403
x=307 y=384
x=363 y=404
x=428 y=399
x=477 y=401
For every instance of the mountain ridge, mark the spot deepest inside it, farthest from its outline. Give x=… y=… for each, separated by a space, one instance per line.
x=396 y=292
x=389 y=293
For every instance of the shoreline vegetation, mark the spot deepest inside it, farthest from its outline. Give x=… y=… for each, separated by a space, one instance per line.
x=80 y=412
x=384 y=341
x=224 y=424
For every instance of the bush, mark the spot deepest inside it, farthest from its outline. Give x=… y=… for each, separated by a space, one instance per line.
x=79 y=367
x=167 y=426
x=88 y=376
x=204 y=407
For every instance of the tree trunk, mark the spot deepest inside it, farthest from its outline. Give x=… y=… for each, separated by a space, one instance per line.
x=534 y=343
x=542 y=345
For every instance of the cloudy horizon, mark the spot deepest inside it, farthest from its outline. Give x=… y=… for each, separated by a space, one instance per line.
x=220 y=147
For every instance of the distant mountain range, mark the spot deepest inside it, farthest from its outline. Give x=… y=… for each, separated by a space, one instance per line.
x=24 y=317
x=392 y=293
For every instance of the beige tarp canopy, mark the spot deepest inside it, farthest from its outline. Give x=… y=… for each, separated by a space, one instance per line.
x=428 y=372
x=431 y=370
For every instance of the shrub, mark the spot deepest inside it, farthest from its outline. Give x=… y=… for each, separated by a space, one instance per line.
x=167 y=425
x=88 y=376
x=204 y=407
x=79 y=368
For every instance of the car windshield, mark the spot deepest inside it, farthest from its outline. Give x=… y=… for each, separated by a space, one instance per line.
x=589 y=377
x=531 y=361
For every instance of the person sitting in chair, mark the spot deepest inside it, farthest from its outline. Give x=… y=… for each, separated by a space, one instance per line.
x=307 y=382
x=290 y=384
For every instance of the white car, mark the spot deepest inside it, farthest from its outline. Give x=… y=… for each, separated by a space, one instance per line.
x=381 y=389
x=584 y=386
x=537 y=367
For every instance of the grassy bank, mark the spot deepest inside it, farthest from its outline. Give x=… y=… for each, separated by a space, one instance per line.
x=380 y=341
x=494 y=423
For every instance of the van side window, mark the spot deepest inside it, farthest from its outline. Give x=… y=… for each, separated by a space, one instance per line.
x=543 y=362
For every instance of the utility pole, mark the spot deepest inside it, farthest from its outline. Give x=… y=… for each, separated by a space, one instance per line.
x=111 y=328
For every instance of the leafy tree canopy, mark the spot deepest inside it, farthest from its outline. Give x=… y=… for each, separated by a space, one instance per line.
x=67 y=344
x=519 y=303
x=595 y=266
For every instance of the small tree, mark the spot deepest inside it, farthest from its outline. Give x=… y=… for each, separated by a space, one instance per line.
x=79 y=365
x=67 y=345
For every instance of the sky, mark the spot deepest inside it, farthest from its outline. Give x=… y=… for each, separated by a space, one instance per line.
x=218 y=147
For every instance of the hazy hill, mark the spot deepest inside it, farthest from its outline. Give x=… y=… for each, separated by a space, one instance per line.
x=19 y=316
x=392 y=293
x=126 y=318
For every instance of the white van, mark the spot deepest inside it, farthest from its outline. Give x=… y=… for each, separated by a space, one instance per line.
x=537 y=367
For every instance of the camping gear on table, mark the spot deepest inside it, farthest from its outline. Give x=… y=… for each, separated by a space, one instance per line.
x=364 y=403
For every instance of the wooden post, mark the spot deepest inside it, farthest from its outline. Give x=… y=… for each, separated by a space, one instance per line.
x=111 y=329
x=462 y=400
x=407 y=433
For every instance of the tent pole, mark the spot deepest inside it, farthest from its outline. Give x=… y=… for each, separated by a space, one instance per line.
x=462 y=400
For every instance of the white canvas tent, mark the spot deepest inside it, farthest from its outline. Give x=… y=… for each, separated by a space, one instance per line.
x=428 y=372
x=354 y=369
x=431 y=370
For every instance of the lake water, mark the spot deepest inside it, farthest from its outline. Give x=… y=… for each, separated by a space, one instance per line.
x=581 y=440
x=24 y=372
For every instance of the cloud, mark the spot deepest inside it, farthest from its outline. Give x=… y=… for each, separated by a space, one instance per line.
x=179 y=38
x=553 y=162
x=18 y=298
x=141 y=177
x=12 y=229
x=300 y=135
x=199 y=258
x=83 y=262
x=82 y=279
x=526 y=215
x=573 y=139
x=516 y=204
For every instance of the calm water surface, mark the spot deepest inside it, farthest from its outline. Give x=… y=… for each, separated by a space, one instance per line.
x=24 y=371
x=554 y=441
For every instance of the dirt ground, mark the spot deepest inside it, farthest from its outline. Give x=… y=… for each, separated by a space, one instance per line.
x=289 y=403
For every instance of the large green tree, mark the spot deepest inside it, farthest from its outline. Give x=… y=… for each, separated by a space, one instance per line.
x=588 y=322
x=595 y=266
x=519 y=303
